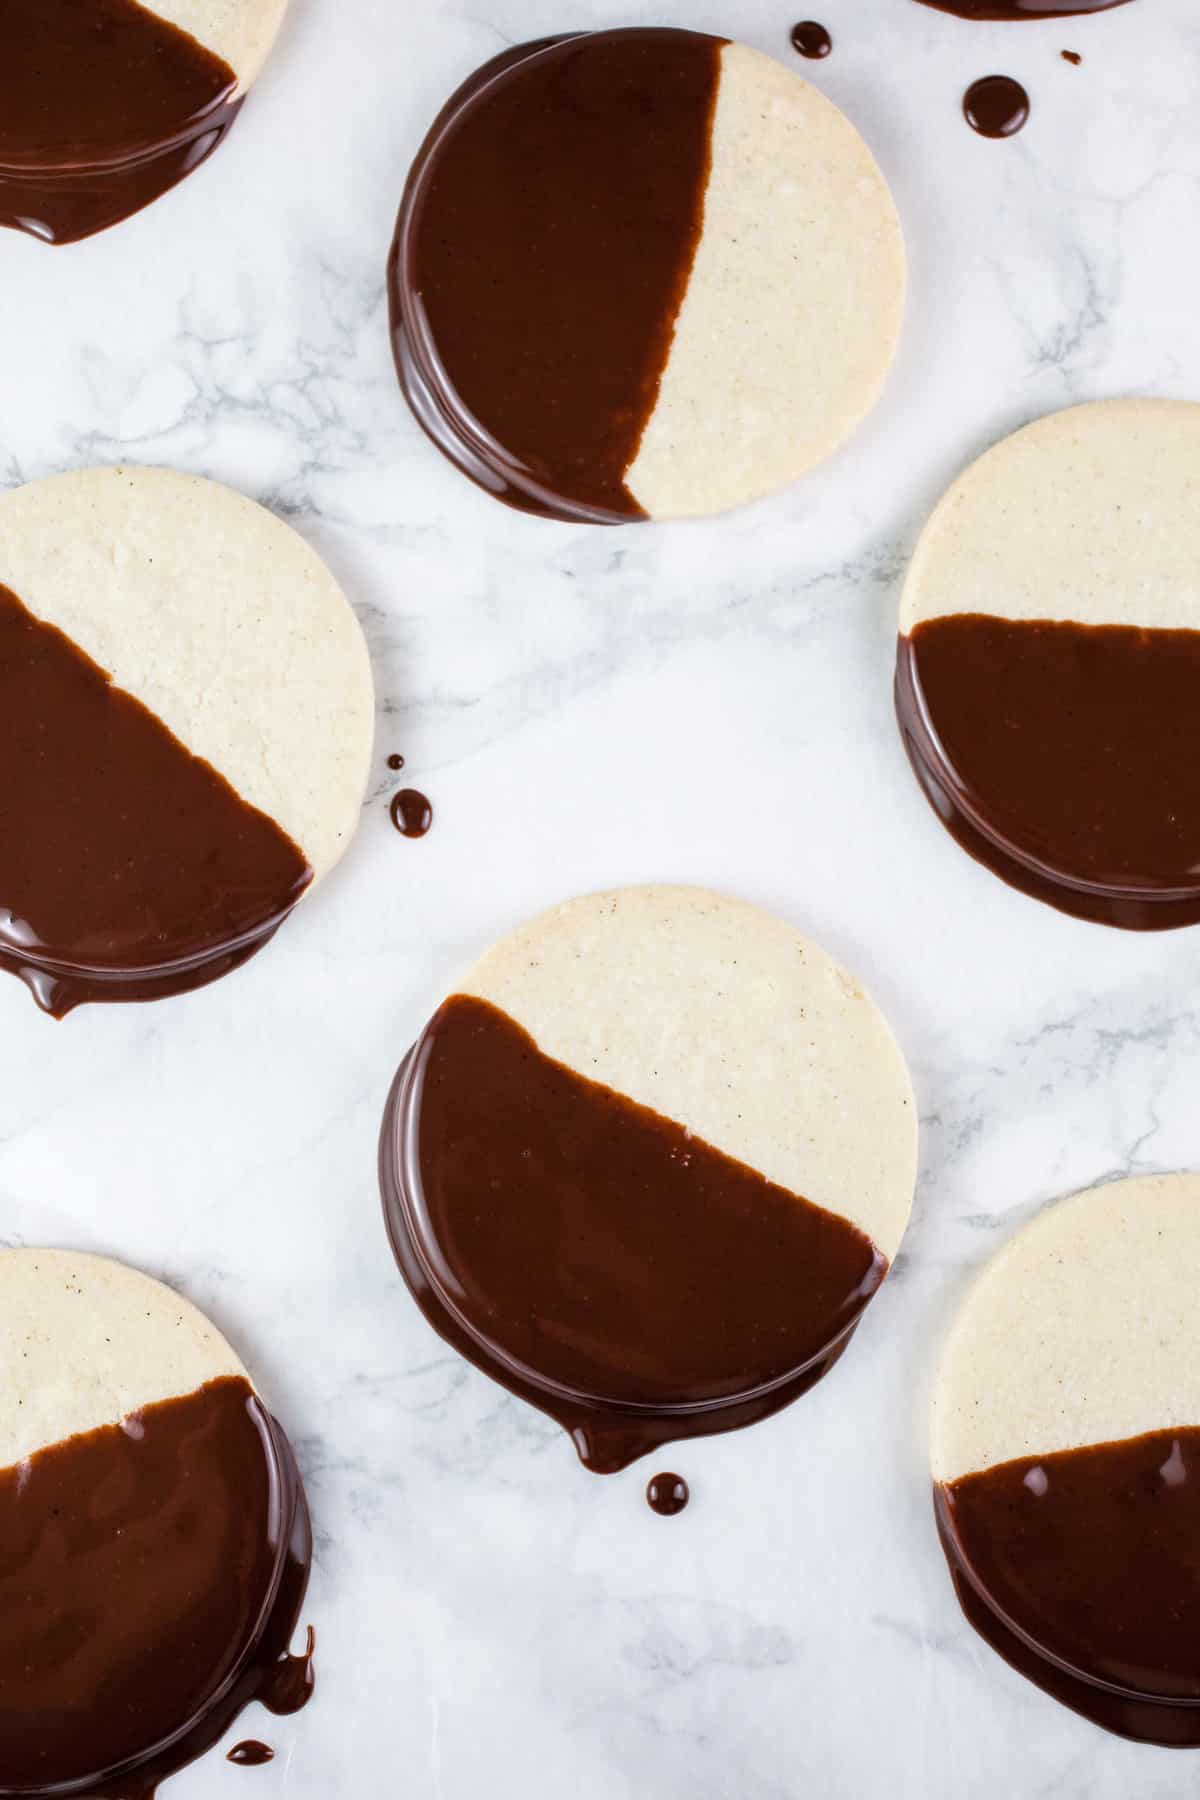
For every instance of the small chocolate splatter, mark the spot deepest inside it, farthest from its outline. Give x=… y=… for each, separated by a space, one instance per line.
x=396 y=761
x=1072 y=56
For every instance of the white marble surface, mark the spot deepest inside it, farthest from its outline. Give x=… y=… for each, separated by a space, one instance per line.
x=708 y=703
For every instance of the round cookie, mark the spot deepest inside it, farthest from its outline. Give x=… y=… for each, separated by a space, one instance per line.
x=1048 y=665
x=106 y=104
x=648 y=1163
x=185 y=731
x=1065 y=1446
x=156 y=1537
x=642 y=273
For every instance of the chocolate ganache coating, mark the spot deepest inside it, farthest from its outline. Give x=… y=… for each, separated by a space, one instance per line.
x=1082 y=1569
x=541 y=255
x=104 y=106
x=151 y=1578
x=1064 y=756
x=598 y=1260
x=1010 y=10
x=129 y=868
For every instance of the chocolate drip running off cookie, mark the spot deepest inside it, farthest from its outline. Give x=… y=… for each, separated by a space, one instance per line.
x=1064 y=756
x=151 y=1577
x=597 y=1259
x=104 y=106
x=1083 y=1570
x=542 y=254
x=129 y=868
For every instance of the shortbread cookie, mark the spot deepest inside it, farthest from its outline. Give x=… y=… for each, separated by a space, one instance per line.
x=642 y=273
x=1048 y=674
x=186 y=719
x=648 y=1163
x=1066 y=1455
x=105 y=104
x=155 y=1537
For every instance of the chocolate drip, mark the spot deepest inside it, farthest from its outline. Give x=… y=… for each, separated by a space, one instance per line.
x=129 y=869
x=597 y=1259
x=811 y=40
x=103 y=107
x=996 y=106
x=1066 y=757
x=1083 y=1570
x=251 y=1754
x=667 y=1495
x=412 y=815
x=151 y=1576
x=292 y=1680
x=565 y=181
x=1022 y=9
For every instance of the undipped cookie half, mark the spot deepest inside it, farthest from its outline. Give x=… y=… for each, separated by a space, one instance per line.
x=154 y=1537
x=642 y=273
x=186 y=719
x=1066 y=1456
x=1048 y=671
x=648 y=1164
x=105 y=104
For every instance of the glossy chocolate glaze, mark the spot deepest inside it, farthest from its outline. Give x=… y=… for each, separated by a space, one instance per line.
x=542 y=252
x=811 y=39
x=1065 y=757
x=601 y=1261
x=996 y=106
x=1022 y=9
x=251 y=1754
x=1083 y=1570
x=103 y=107
x=151 y=1577
x=412 y=815
x=129 y=869
x=667 y=1495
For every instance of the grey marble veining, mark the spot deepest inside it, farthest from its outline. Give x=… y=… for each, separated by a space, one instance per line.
x=710 y=703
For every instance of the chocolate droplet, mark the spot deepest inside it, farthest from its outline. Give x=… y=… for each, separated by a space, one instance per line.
x=996 y=106
x=412 y=815
x=811 y=40
x=667 y=1495
x=251 y=1754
